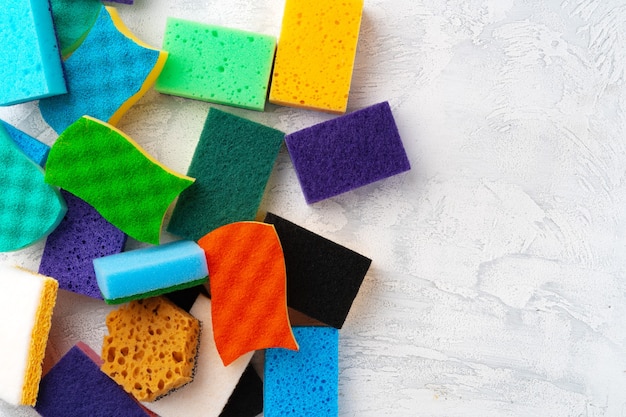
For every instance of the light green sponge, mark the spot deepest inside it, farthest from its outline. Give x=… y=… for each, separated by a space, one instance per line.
x=101 y=165
x=216 y=64
x=30 y=209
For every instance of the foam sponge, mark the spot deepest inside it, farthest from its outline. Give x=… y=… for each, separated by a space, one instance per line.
x=247 y=398
x=213 y=382
x=216 y=64
x=315 y=55
x=30 y=209
x=111 y=64
x=26 y=304
x=72 y=20
x=150 y=271
x=232 y=164
x=34 y=149
x=76 y=387
x=248 y=289
x=347 y=152
x=104 y=167
x=151 y=347
x=303 y=383
x=82 y=236
x=30 y=62
x=323 y=277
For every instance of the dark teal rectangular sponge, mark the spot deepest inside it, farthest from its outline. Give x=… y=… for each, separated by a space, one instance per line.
x=231 y=164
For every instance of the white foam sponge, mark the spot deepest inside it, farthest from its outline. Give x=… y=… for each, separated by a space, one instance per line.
x=26 y=303
x=213 y=383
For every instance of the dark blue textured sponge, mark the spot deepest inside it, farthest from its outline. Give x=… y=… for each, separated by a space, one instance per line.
x=303 y=383
x=76 y=387
x=347 y=152
x=82 y=236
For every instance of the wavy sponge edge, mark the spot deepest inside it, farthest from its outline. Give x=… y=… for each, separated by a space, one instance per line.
x=104 y=167
x=30 y=62
x=111 y=64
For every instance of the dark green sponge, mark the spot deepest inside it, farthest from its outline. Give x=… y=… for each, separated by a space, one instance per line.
x=232 y=163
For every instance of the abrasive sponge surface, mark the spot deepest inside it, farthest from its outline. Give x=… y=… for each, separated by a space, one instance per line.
x=216 y=64
x=303 y=383
x=76 y=387
x=105 y=168
x=30 y=61
x=315 y=54
x=347 y=152
x=82 y=236
x=232 y=164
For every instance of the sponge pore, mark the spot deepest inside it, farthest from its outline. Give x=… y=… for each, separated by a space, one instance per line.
x=315 y=54
x=151 y=347
x=110 y=64
x=102 y=166
x=30 y=209
x=216 y=64
x=30 y=62
x=232 y=164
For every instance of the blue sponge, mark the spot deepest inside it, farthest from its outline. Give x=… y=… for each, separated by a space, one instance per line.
x=150 y=271
x=303 y=383
x=34 y=149
x=76 y=387
x=30 y=61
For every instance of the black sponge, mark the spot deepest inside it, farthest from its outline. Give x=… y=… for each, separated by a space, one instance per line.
x=247 y=398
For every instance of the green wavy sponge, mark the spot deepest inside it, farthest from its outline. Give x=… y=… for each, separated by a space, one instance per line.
x=216 y=64
x=30 y=209
x=72 y=21
x=101 y=165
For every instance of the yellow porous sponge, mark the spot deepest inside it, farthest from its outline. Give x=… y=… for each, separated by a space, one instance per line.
x=26 y=303
x=315 y=55
x=151 y=347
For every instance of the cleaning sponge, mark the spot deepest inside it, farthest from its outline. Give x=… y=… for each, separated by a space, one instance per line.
x=315 y=55
x=30 y=61
x=26 y=304
x=108 y=170
x=34 y=149
x=347 y=152
x=110 y=64
x=72 y=20
x=232 y=163
x=216 y=64
x=29 y=208
x=150 y=271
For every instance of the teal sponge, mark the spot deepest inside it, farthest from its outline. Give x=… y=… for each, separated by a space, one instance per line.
x=34 y=149
x=72 y=21
x=30 y=62
x=216 y=64
x=232 y=163
x=30 y=209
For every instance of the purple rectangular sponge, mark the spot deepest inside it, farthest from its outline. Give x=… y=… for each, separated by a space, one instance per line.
x=304 y=382
x=82 y=236
x=35 y=150
x=347 y=152
x=76 y=387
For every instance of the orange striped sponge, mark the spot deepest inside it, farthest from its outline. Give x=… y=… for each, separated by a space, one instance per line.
x=26 y=303
x=315 y=55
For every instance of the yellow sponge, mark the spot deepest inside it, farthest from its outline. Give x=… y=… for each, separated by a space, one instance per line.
x=315 y=54
x=151 y=347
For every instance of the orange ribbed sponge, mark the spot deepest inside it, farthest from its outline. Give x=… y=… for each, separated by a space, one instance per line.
x=151 y=347
x=315 y=55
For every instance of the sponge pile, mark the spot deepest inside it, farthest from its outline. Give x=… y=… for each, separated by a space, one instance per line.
x=261 y=277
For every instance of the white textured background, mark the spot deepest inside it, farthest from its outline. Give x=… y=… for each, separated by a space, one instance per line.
x=498 y=281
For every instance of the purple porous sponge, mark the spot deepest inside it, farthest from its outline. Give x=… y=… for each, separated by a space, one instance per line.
x=347 y=152
x=76 y=387
x=82 y=236
x=121 y=1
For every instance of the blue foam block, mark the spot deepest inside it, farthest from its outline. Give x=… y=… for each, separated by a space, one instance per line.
x=303 y=383
x=150 y=271
x=30 y=61
x=76 y=387
x=34 y=149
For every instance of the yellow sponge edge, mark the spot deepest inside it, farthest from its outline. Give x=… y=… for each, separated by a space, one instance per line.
x=315 y=54
x=150 y=79
x=39 y=340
